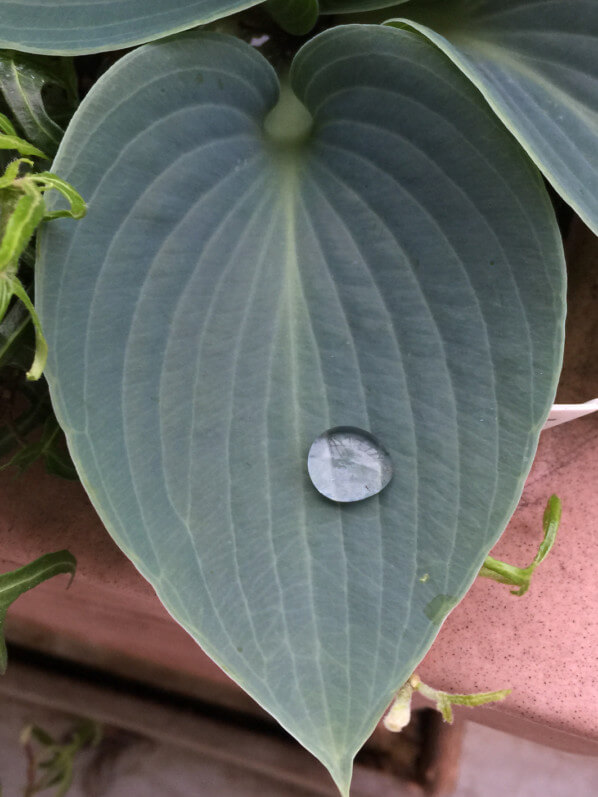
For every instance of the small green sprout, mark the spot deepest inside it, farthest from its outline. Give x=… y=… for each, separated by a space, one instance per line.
x=53 y=764
x=22 y=210
x=399 y=714
x=521 y=576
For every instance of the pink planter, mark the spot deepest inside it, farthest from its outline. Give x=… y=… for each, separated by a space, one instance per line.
x=544 y=644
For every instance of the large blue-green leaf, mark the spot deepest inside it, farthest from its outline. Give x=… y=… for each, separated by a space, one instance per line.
x=69 y=27
x=353 y=6
x=242 y=283
x=536 y=63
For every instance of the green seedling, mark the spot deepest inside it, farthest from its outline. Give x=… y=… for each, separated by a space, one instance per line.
x=22 y=210
x=520 y=577
x=52 y=764
x=400 y=711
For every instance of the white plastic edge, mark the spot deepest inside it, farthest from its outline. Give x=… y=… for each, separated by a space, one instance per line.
x=562 y=413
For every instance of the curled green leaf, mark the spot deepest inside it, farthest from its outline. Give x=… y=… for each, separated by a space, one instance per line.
x=22 y=147
x=520 y=577
x=6 y=126
x=26 y=215
x=24 y=209
x=77 y=208
x=550 y=525
x=16 y=582
x=10 y=140
x=41 y=347
x=6 y=294
x=11 y=173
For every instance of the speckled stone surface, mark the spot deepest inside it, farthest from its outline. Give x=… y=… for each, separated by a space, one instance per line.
x=543 y=645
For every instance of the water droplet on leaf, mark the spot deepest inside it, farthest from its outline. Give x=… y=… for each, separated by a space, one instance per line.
x=348 y=464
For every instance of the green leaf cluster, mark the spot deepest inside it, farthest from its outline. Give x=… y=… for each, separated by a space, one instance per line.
x=38 y=93
x=23 y=209
x=51 y=762
x=47 y=446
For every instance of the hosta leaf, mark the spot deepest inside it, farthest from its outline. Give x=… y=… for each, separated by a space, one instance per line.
x=536 y=63
x=353 y=6
x=295 y=16
x=39 y=93
x=64 y=27
x=240 y=285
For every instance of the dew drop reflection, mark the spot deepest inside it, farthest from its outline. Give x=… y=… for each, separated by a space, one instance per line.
x=348 y=464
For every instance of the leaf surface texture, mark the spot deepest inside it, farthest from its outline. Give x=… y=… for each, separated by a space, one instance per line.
x=73 y=27
x=536 y=63
x=232 y=293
